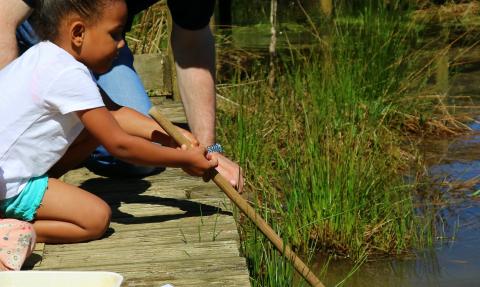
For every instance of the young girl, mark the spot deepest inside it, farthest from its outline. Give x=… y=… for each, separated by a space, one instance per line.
x=52 y=117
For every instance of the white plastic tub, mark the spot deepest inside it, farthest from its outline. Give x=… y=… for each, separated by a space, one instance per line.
x=60 y=279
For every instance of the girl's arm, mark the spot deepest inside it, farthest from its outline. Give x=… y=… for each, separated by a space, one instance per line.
x=135 y=123
x=135 y=148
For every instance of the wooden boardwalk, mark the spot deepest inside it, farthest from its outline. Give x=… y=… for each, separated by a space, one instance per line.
x=166 y=228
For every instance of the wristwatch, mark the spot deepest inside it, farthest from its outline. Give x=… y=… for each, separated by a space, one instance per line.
x=216 y=147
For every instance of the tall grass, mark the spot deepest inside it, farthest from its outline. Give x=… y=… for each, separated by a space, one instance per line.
x=321 y=150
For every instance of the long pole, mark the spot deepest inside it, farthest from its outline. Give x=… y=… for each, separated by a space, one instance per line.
x=227 y=188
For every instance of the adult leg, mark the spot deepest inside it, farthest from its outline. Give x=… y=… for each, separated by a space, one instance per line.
x=12 y=13
x=123 y=85
x=69 y=214
x=194 y=53
x=26 y=37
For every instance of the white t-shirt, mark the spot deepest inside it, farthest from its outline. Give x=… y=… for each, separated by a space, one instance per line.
x=39 y=94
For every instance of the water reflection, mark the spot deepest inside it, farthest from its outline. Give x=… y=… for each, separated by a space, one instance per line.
x=453 y=261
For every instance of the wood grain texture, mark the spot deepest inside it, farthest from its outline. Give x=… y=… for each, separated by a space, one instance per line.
x=166 y=228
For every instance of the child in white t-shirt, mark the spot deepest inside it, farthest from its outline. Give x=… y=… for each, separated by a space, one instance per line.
x=52 y=117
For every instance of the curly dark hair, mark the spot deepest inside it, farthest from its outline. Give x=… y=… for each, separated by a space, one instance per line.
x=48 y=14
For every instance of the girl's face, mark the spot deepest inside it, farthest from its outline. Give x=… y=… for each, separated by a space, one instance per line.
x=103 y=38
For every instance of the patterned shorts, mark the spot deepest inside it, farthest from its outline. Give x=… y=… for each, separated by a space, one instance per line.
x=17 y=240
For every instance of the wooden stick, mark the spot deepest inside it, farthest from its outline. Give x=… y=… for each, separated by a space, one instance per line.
x=243 y=205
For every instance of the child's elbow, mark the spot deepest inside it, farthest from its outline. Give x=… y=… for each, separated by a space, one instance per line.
x=119 y=148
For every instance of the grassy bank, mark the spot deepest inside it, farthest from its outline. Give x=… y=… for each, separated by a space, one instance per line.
x=322 y=147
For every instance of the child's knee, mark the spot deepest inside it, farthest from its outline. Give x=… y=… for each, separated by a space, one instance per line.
x=100 y=222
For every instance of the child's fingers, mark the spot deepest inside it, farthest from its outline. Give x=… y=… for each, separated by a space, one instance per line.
x=209 y=156
x=213 y=159
x=213 y=162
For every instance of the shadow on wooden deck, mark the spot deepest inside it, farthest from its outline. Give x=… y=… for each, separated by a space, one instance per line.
x=165 y=228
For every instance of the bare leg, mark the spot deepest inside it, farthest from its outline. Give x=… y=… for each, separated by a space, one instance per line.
x=69 y=214
x=194 y=53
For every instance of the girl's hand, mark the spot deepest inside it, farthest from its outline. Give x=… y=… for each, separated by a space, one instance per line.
x=200 y=162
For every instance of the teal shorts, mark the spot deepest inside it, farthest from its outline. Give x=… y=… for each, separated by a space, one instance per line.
x=24 y=205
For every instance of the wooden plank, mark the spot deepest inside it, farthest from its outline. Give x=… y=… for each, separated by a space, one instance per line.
x=172 y=182
x=171 y=206
x=165 y=228
x=142 y=253
x=174 y=111
x=183 y=235
x=36 y=257
x=155 y=72
x=214 y=282
x=177 y=223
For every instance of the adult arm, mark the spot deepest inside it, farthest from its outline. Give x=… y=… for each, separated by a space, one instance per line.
x=12 y=14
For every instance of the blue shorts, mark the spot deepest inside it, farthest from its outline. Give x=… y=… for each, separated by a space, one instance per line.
x=24 y=205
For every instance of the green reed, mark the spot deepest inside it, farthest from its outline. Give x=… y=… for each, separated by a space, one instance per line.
x=321 y=148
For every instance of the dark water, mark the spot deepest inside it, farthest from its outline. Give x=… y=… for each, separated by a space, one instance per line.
x=454 y=260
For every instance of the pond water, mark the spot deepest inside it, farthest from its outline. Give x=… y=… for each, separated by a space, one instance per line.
x=454 y=260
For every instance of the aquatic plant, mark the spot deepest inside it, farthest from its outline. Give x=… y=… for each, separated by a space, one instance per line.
x=323 y=149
